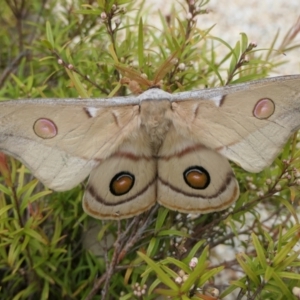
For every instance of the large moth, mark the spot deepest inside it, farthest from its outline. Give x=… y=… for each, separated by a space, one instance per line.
x=157 y=147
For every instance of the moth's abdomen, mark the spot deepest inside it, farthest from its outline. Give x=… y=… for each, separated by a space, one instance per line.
x=154 y=121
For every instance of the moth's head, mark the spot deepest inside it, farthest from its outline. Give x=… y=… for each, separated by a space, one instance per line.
x=154 y=94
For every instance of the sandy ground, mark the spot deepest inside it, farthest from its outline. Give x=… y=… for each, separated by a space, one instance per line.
x=259 y=19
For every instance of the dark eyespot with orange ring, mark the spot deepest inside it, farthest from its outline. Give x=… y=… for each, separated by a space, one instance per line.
x=121 y=183
x=196 y=177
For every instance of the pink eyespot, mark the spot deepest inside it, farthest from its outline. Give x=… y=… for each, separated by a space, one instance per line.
x=45 y=128
x=264 y=108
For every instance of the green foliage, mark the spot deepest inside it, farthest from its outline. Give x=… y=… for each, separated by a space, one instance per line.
x=64 y=49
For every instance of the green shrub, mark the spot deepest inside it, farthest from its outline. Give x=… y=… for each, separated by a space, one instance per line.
x=51 y=250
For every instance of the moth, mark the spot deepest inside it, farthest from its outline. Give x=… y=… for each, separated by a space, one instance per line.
x=158 y=147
